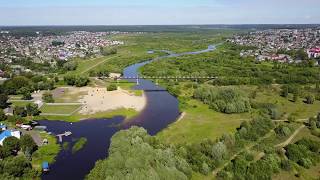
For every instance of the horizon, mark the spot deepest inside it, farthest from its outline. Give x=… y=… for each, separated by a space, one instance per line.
x=165 y=12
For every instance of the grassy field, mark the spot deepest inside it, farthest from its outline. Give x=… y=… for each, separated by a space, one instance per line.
x=59 y=109
x=47 y=152
x=20 y=103
x=127 y=113
x=137 y=45
x=299 y=109
x=200 y=123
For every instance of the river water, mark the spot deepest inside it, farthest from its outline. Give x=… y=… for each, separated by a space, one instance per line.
x=161 y=111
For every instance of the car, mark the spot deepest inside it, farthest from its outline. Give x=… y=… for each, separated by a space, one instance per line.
x=26 y=127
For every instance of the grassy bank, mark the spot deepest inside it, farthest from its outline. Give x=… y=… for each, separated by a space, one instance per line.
x=46 y=152
x=199 y=123
x=127 y=113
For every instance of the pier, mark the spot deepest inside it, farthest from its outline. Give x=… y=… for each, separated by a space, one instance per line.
x=67 y=133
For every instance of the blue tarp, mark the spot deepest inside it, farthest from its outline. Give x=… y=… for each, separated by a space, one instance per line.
x=45 y=165
x=5 y=134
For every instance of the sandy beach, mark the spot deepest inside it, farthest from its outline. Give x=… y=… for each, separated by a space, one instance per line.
x=96 y=99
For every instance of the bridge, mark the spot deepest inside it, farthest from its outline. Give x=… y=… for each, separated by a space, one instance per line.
x=137 y=78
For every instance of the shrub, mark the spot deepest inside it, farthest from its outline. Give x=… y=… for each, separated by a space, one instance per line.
x=310 y=99
x=48 y=97
x=112 y=87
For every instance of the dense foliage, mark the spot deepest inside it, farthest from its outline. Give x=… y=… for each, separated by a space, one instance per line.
x=78 y=81
x=225 y=100
x=134 y=154
x=231 y=69
x=13 y=164
x=24 y=85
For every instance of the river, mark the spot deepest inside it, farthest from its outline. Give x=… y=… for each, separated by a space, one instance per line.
x=161 y=110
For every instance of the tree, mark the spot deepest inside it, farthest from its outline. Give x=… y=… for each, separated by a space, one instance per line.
x=4 y=153
x=32 y=109
x=295 y=97
x=3 y=101
x=70 y=66
x=219 y=151
x=17 y=166
x=3 y=117
x=310 y=99
x=27 y=144
x=25 y=92
x=11 y=144
x=20 y=111
x=285 y=91
x=112 y=87
x=133 y=154
x=48 y=97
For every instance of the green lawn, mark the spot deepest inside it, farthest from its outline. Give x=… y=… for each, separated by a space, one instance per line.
x=127 y=113
x=46 y=152
x=59 y=109
x=200 y=123
x=20 y=103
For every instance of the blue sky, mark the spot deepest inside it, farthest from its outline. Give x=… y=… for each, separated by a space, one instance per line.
x=149 y=12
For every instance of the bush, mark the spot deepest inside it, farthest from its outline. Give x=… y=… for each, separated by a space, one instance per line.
x=78 y=81
x=310 y=99
x=225 y=100
x=282 y=131
x=112 y=87
x=48 y=97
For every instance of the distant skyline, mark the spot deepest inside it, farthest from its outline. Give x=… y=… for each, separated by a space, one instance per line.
x=161 y=12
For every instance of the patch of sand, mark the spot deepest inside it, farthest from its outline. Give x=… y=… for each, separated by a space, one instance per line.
x=101 y=100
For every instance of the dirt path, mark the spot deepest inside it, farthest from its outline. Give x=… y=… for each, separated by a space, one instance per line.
x=289 y=140
x=96 y=65
x=283 y=144
x=216 y=171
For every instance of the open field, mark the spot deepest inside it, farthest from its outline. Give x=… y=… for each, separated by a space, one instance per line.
x=299 y=109
x=200 y=123
x=59 y=109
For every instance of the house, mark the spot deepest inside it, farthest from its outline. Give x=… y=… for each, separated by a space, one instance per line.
x=314 y=53
x=8 y=111
x=7 y=133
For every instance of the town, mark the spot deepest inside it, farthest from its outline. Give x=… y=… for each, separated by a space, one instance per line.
x=41 y=48
x=281 y=45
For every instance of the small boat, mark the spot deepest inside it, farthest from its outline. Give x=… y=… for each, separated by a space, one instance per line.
x=45 y=167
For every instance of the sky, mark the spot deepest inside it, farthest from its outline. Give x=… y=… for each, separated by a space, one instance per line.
x=159 y=12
